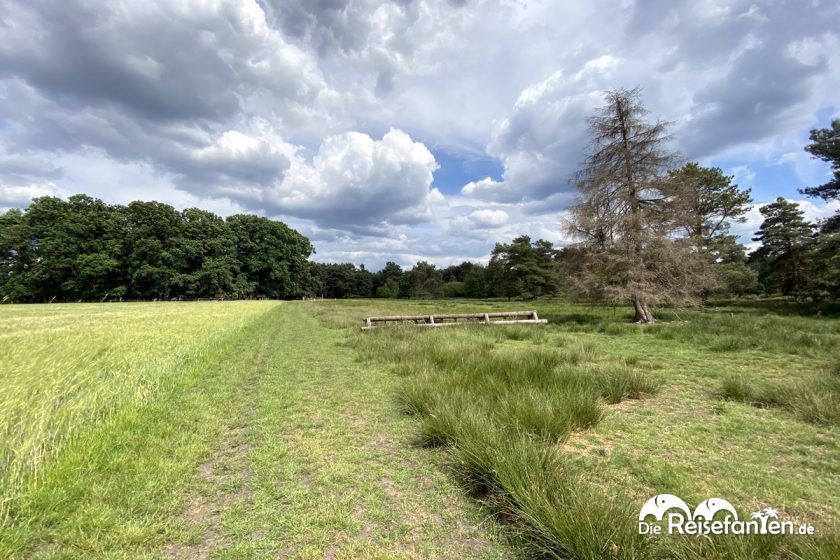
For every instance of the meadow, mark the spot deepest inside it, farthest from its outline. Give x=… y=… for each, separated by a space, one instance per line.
x=564 y=431
x=280 y=429
x=66 y=368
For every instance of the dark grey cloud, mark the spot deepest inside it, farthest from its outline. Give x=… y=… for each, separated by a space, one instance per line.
x=22 y=169
x=328 y=25
x=167 y=84
x=766 y=88
x=749 y=84
x=201 y=161
x=690 y=33
x=79 y=56
x=157 y=62
x=759 y=96
x=381 y=37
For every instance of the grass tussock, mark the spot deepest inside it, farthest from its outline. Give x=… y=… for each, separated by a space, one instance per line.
x=815 y=400
x=504 y=402
x=501 y=409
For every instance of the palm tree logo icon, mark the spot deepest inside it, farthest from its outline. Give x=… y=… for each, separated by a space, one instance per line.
x=764 y=515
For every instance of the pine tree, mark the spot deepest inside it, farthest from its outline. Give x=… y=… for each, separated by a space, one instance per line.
x=711 y=202
x=784 y=236
x=524 y=268
x=825 y=145
x=824 y=255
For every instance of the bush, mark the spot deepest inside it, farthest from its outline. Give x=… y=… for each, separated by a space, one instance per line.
x=454 y=289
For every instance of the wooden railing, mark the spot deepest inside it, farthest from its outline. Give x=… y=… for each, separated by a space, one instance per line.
x=451 y=319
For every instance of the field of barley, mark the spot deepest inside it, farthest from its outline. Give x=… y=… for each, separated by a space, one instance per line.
x=280 y=429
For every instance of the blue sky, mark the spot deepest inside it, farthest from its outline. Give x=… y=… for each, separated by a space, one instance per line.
x=400 y=130
x=458 y=169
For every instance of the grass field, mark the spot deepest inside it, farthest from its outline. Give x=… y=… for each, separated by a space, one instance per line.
x=566 y=430
x=66 y=368
x=267 y=439
x=279 y=430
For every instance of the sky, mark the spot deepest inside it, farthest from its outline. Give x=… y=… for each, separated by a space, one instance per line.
x=400 y=130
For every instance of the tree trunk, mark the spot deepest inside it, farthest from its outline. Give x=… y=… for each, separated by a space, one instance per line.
x=643 y=314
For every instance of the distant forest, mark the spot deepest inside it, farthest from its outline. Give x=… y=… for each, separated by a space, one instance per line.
x=84 y=249
x=662 y=238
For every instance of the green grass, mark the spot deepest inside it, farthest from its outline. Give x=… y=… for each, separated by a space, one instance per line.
x=272 y=441
x=815 y=400
x=66 y=368
x=266 y=430
x=566 y=430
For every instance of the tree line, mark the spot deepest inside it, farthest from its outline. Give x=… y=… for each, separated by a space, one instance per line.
x=647 y=229
x=521 y=269
x=84 y=249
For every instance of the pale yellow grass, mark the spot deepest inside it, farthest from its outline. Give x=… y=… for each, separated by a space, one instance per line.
x=66 y=367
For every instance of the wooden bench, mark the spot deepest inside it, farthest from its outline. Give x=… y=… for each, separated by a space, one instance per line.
x=451 y=319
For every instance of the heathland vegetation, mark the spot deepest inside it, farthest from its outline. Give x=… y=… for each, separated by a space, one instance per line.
x=258 y=429
x=564 y=431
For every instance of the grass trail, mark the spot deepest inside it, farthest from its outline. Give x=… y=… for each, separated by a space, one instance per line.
x=331 y=475
x=276 y=444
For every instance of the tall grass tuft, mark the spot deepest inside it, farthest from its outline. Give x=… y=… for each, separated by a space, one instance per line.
x=501 y=408
x=815 y=400
x=501 y=399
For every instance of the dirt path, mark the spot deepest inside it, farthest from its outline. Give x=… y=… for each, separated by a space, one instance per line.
x=318 y=465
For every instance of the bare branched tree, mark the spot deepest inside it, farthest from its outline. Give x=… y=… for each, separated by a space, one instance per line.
x=628 y=213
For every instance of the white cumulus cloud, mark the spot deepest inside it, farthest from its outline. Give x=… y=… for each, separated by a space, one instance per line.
x=355 y=182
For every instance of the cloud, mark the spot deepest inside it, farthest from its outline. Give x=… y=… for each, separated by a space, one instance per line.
x=488 y=218
x=752 y=101
x=232 y=160
x=355 y=181
x=485 y=189
x=159 y=61
x=20 y=165
x=479 y=220
x=18 y=196
x=737 y=74
x=323 y=112
x=542 y=140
